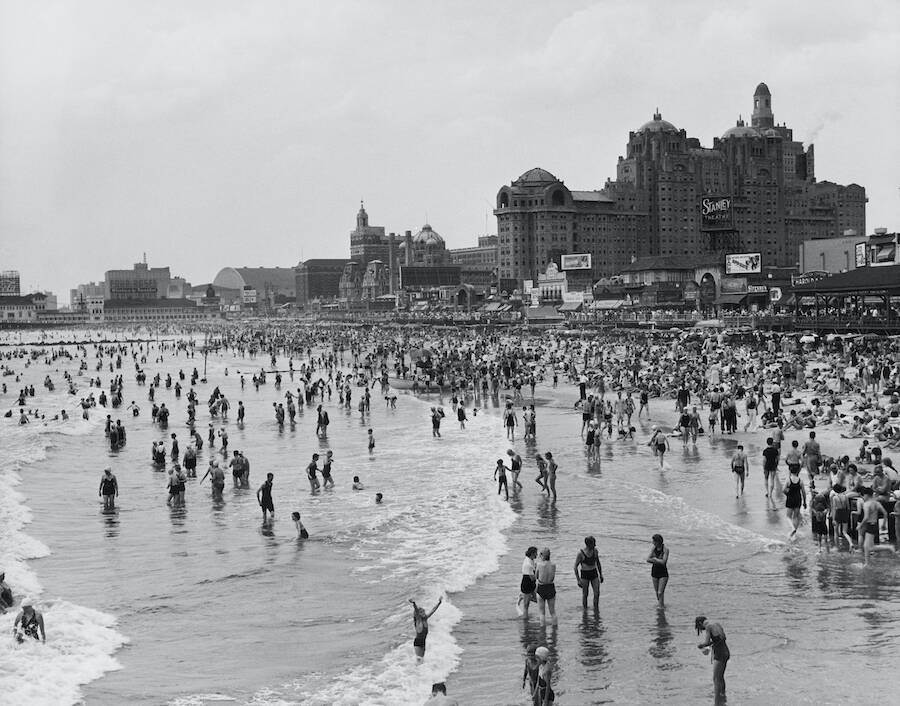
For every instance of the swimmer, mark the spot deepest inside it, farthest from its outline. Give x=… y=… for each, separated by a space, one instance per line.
x=311 y=470
x=109 y=489
x=264 y=496
x=29 y=623
x=588 y=571
x=740 y=469
x=378 y=498
x=500 y=477
x=715 y=638
x=371 y=441
x=357 y=484
x=420 y=622
x=301 y=530
x=659 y=572
x=528 y=583
x=216 y=478
x=546 y=588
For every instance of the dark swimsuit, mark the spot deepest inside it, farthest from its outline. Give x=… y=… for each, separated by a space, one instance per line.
x=419 y=640
x=792 y=490
x=659 y=571
x=593 y=564
x=720 y=650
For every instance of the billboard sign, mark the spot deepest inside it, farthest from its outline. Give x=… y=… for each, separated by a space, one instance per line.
x=775 y=294
x=743 y=263
x=860 y=254
x=716 y=213
x=578 y=261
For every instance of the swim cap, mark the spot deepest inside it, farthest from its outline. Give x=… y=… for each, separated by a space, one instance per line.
x=542 y=653
x=27 y=602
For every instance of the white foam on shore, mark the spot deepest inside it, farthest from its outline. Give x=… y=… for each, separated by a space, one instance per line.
x=474 y=548
x=80 y=640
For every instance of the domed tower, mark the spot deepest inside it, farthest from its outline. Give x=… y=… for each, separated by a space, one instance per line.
x=762 y=108
x=362 y=218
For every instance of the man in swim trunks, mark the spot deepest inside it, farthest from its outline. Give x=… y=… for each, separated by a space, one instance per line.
x=869 y=515
x=216 y=477
x=311 y=470
x=420 y=622
x=264 y=496
x=739 y=467
x=29 y=623
x=237 y=469
x=546 y=589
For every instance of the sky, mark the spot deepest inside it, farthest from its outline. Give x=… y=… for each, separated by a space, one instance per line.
x=215 y=133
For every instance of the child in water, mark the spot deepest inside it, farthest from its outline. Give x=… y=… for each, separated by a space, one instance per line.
x=301 y=530
x=357 y=484
x=371 y=440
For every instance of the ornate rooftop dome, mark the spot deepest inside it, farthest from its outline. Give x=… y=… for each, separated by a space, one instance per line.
x=428 y=237
x=740 y=130
x=536 y=176
x=657 y=125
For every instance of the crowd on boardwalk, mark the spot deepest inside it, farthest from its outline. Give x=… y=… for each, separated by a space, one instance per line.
x=694 y=385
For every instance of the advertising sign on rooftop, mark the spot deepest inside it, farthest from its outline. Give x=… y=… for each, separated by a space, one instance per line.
x=716 y=213
x=577 y=261
x=743 y=263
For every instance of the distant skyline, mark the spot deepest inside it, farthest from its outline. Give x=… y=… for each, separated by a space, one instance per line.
x=214 y=134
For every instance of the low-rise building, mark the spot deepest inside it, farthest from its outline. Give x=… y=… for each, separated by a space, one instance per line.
x=17 y=310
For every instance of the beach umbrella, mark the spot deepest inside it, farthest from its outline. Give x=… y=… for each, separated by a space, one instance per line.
x=807 y=339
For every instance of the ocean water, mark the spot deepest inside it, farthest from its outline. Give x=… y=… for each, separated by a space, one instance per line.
x=204 y=604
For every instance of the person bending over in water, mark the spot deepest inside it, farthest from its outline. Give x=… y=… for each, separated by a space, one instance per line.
x=715 y=638
x=420 y=621
x=28 y=623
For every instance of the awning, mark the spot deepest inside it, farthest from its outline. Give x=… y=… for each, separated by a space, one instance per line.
x=731 y=299
x=492 y=306
x=607 y=304
x=571 y=306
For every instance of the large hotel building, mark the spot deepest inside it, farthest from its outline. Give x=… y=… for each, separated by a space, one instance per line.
x=764 y=179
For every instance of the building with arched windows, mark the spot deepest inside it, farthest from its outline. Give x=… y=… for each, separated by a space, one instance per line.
x=763 y=178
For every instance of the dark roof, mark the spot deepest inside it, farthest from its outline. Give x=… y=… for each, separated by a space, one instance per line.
x=670 y=262
x=149 y=304
x=863 y=279
x=16 y=301
x=536 y=176
x=324 y=262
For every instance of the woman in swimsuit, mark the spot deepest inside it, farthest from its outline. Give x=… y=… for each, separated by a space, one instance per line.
x=529 y=583
x=794 y=491
x=543 y=693
x=546 y=587
x=588 y=572
x=420 y=621
x=715 y=638
x=658 y=560
x=530 y=674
